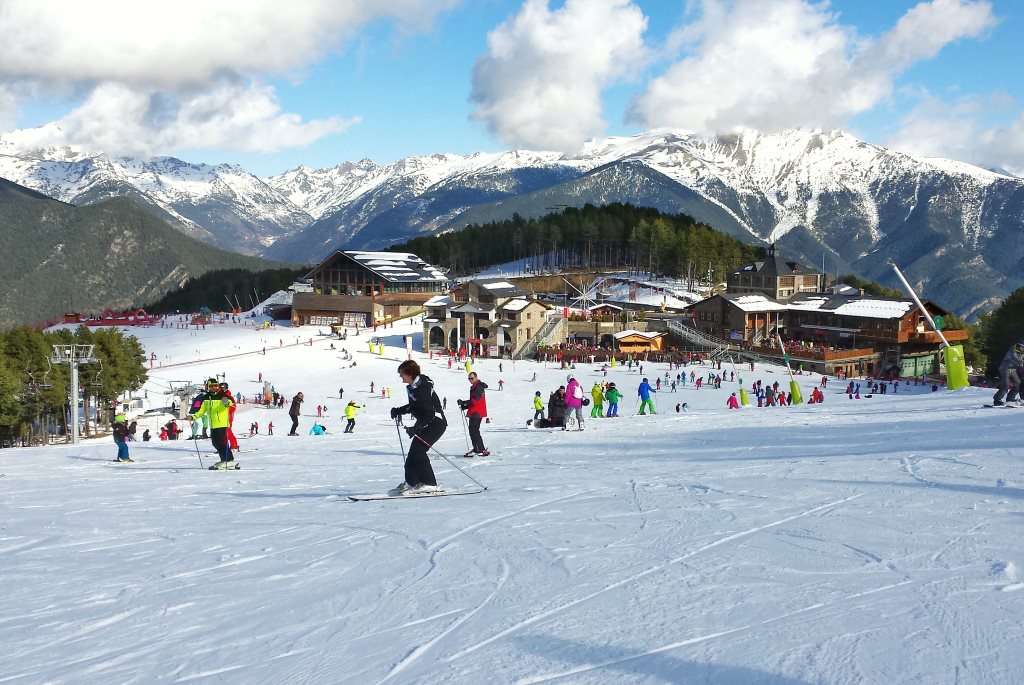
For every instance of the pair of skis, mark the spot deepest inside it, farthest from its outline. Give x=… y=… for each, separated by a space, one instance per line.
x=415 y=495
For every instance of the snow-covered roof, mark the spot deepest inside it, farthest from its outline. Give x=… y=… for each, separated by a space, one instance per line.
x=515 y=305
x=498 y=285
x=397 y=267
x=650 y=335
x=473 y=307
x=841 y=305
x=875 y=309
x=438 y=301
x=810 y=303
x=755 y=303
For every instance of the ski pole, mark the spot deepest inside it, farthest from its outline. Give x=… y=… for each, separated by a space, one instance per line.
x=465 y=430
x=398 y=429
x=201 y=465
x=443 y=456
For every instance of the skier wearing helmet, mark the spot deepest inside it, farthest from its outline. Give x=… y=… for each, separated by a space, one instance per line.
x=218 y=405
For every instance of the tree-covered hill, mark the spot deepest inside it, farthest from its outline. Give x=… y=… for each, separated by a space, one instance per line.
x=615 y=235
x=56 y=257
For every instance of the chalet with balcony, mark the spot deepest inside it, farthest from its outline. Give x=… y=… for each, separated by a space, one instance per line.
x=360 y=289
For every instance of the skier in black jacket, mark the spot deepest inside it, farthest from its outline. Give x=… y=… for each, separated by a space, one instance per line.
x=430 y=425
x=293 y=412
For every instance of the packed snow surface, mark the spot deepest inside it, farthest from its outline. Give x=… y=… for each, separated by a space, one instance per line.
x=857 y=541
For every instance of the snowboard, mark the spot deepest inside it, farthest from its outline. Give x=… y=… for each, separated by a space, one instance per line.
x=421 y=495
x=1001 y=406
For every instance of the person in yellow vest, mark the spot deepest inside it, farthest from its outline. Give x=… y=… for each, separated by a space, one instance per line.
x=350 y=414
x=597 y=393
x=217 y=405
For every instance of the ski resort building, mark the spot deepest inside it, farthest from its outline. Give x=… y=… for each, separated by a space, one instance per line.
x=774 y=277
x=827 y=333
x=363 y=289
x=487 y=317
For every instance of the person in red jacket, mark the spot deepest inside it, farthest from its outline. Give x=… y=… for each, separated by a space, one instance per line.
x=232 y=440
x=476 y=411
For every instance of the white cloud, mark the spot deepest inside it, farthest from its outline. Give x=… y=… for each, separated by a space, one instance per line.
x=964 y=130
x=185 y=43
x=8 y=107
x=540 y=83
x=118 y=119
x=188 y=74
x=775 y=64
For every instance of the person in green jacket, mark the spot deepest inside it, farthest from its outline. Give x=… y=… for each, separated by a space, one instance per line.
x=538 y=407
x=613 y=396
x=350 y=414
x=217 y=405
x=597 y=411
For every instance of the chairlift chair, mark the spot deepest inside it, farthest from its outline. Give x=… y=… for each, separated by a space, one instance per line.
x=44 y=384
x=96 y=382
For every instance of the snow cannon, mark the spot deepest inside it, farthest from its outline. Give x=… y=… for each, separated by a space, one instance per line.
x=956 y=367
x=794 y=393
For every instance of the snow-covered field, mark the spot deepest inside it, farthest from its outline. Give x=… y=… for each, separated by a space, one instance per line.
x=870 y=541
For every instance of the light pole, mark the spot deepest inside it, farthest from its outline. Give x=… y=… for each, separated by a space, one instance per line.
x=73 y=355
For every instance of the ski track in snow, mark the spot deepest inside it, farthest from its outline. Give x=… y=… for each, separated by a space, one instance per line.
x=704 y=638
x=419 y=651
x=654 y=569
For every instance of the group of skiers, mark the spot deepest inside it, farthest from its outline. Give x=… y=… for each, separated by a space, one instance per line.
x=565 y=404
x=215 y=407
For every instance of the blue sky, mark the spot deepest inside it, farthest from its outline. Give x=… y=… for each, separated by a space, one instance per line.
x=272 y=86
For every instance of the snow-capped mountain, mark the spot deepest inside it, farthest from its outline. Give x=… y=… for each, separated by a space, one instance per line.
x=822 y=195
x=221 y=204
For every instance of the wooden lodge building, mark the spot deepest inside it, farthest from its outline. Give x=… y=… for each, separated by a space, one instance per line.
x=825 y=332
x=361 y=289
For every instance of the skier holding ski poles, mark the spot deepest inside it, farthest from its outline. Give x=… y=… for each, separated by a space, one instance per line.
x=218 y=406
x=430 y=425
x=476 y=411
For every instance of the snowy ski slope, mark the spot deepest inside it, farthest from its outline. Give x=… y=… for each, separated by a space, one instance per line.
x=870 y=541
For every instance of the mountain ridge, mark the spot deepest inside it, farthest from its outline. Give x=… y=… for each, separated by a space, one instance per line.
x=818 y=193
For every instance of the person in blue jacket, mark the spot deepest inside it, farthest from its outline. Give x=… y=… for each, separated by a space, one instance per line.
x=644 y=391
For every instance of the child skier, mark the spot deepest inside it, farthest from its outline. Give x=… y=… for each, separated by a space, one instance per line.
x=121 y=438
x=613 y=396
